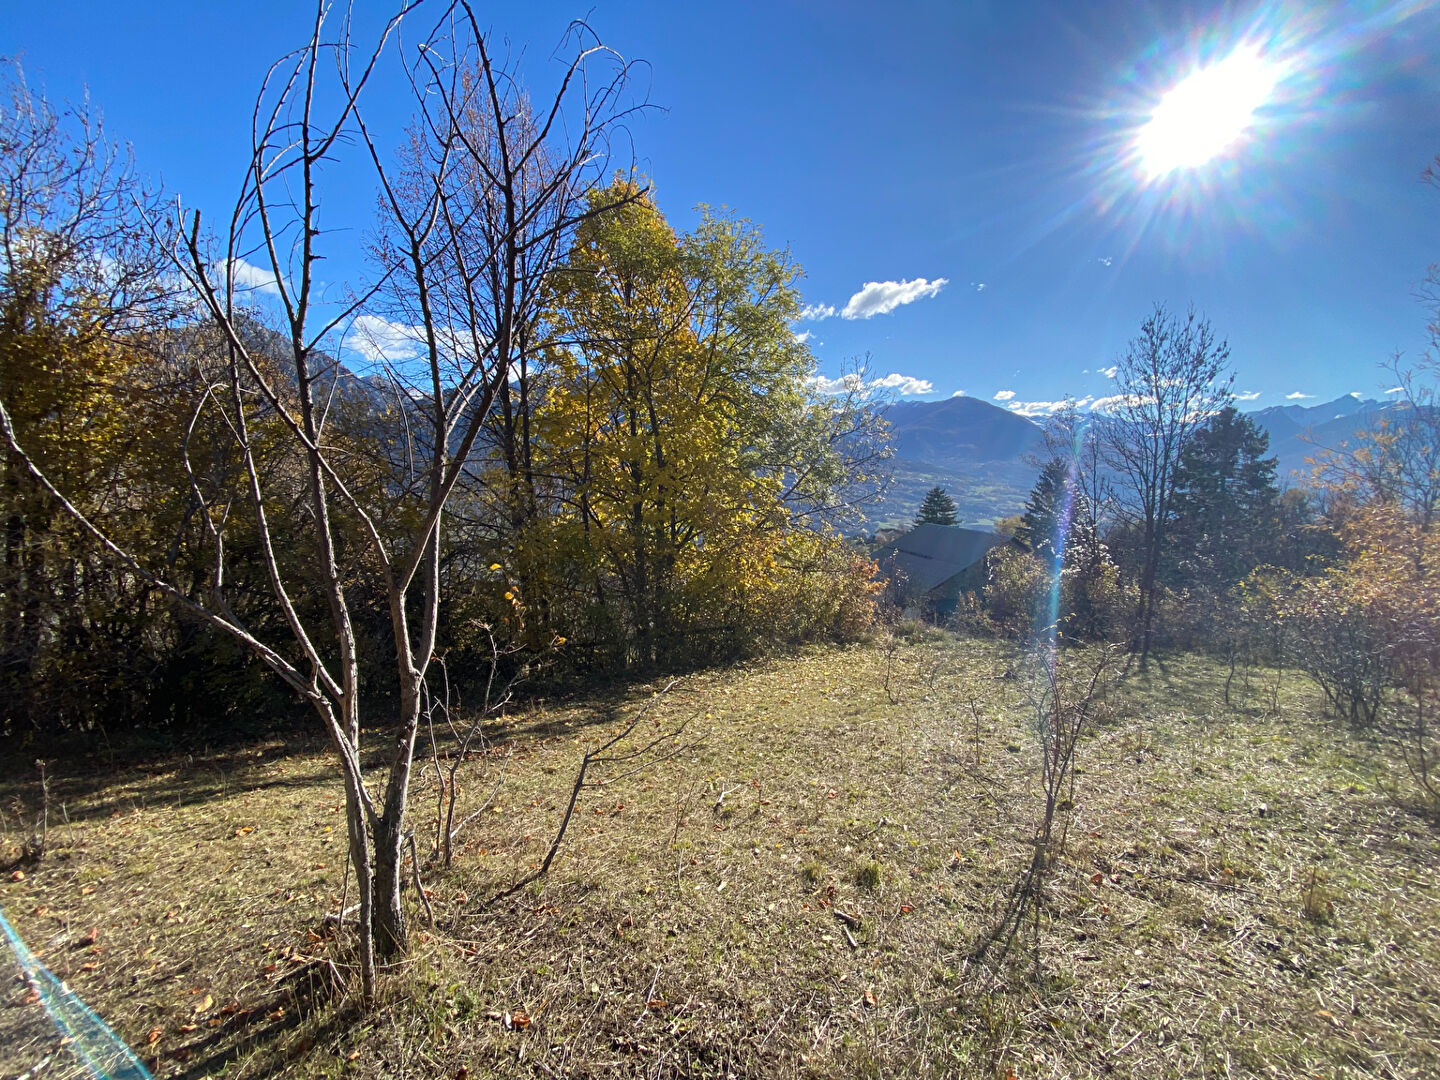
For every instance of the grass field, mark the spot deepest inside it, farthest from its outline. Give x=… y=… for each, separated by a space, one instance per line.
x=1245 y=890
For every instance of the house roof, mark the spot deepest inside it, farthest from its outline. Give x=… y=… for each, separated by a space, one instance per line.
x=930 y=555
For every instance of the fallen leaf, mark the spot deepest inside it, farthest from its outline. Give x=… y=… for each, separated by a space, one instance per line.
x=656 y=1003
x=1096 y=879
x=906 y=909
x=154 y=1036
x=246 y=829
x=520 y=1020
x=870 y=997
x=206 y=1004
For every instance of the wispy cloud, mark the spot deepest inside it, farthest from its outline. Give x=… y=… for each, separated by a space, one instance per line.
x=802 y=338
x=1247 y=395
x=816 y=312
x=880 y=297
x=248 y=277
x=1109 y=372
x=1105 y=260
x=958 y=393
x=978 y=286
x=1396 y=390
x=1297 y=396
x=1004 y=395
x=379 y=339
x=904 y=385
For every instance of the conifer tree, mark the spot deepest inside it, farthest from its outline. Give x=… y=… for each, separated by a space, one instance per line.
x=1225 y=509
x=937 y=509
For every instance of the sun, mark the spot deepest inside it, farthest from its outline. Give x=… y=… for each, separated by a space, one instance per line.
x=1206 y=112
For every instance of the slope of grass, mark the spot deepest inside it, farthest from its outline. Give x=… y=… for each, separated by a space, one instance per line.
x=1238 y=894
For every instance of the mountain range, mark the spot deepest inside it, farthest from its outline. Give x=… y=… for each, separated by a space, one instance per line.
x=978 y=452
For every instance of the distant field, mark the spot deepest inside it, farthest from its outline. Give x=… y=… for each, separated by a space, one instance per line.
x=1239 y=895
x=983 y=493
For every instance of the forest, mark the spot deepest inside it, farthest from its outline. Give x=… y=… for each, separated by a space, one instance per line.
x=523 y=586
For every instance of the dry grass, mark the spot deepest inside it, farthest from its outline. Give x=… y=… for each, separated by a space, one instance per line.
x=1238 y=895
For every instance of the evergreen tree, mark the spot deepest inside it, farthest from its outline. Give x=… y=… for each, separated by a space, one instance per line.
x=1226 y=503
x=1040 y=522
x=937 y=509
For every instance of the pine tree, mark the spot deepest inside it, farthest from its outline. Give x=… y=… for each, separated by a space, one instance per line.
x=1225 y=509
x=1040 y=523
x=937 y=509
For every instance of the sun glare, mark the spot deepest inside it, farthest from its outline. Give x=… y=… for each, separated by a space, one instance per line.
x=1206 y=112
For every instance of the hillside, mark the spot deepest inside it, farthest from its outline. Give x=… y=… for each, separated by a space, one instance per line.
x=973 y=449
x=1298 y=432
x=1239 y=895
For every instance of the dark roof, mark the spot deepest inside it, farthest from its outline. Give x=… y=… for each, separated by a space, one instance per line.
x=930 y=555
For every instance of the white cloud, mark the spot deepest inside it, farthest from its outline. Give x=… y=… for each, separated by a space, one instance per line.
x=905 y=385
x=958 y=393
x=248 y=277
x=1109 y=372
x=1356 y=394
x=806 y=336
x=844 y=385
x=1105 y=260
x=880 y=297
x=816 y=312
x=1396 y=390
x=379 y=339
x=1047 y=408
x=978 y=286
x=1297 y=396
x=1114 y=401
x=1004 y=395
x=1247 y=395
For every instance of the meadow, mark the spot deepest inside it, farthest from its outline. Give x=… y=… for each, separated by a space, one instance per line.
x=794 y=887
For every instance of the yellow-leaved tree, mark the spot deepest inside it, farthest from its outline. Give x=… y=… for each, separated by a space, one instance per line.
x=685 y=447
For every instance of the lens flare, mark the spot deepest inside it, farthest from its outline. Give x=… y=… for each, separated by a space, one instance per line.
x=1206 y=113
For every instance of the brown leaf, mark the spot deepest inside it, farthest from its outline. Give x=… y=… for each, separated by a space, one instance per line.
x=245 y=830
x=205 y=1004
x=1096 y=879
x=657 y=1003
x=906 y=909
x=870 y=997
x=520 y=1020
x=153 y=1036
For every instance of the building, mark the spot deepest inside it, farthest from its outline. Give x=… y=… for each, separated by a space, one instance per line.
x=931 y=566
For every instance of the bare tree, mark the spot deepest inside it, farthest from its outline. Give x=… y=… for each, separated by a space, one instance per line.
x=1170 y=380
x=474 y=220
x=1076 y=438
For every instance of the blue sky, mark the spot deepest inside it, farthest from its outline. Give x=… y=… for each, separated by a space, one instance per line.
x=984 y=144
